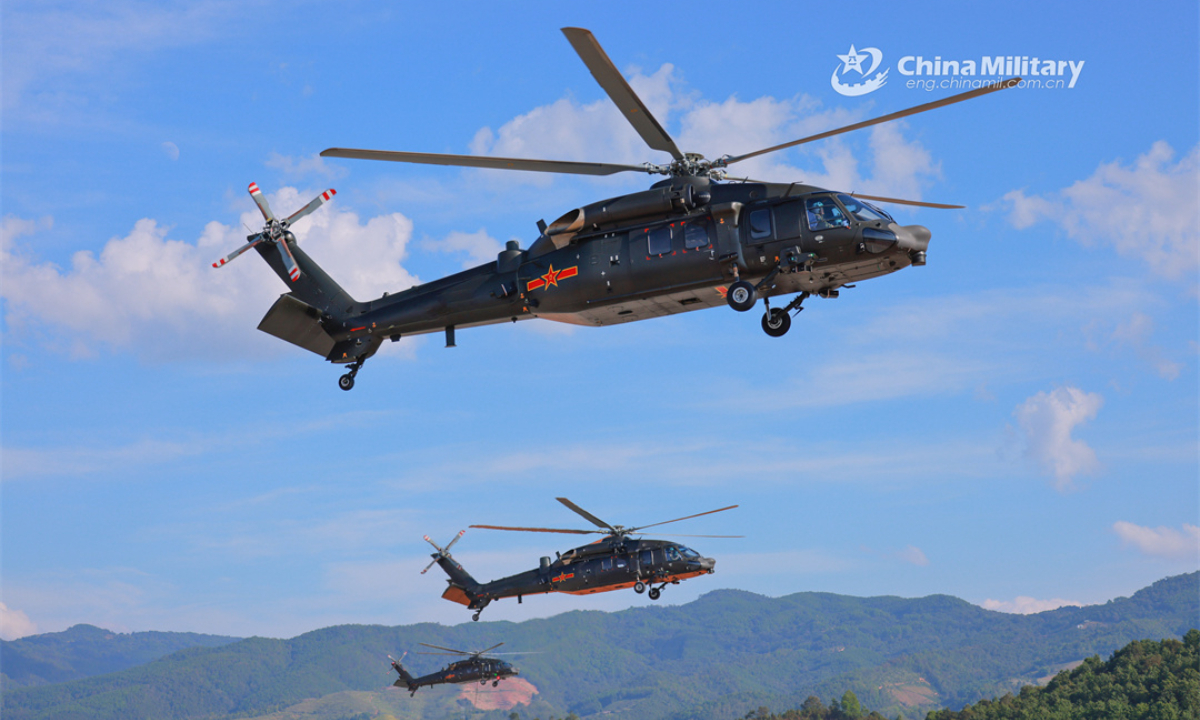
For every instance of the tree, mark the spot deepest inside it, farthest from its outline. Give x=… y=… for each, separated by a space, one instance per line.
x=850 y=705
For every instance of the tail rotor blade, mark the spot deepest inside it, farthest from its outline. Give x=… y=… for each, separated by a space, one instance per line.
x=316 y=203
x=289 y=261
x=262 y=202
x=456 y=538
x=428 y=566
x=435 y=545
x=256 y=240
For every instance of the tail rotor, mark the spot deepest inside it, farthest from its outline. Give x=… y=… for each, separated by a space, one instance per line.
x=442 y=552
x=277 y=231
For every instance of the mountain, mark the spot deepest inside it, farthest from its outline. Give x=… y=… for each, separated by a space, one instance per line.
x=85 y=650
x=717 y=657
x=1143 y=679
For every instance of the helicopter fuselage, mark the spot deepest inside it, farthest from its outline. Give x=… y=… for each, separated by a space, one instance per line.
x=603 y=566
x=476 y=669
x=671 y=249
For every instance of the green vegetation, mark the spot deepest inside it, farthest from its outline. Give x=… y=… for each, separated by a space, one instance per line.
x=722 y=656
x=1145 y=679
x=84 y=651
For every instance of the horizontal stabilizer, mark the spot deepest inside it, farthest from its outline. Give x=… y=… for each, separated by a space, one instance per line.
x=299 y=323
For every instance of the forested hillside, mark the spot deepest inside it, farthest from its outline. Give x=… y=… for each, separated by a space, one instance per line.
x=721 y=656
x=85 y=650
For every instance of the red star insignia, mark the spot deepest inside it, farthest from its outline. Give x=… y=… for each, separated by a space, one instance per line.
x=551 y=277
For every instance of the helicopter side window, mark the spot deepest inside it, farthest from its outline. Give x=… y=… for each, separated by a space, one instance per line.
x=860 y=209
x=621 y=563
x=824 y=214
x=760 y=224
x=695 y=235
x=647 y=557
x=606 y=565
x=658 y=241
x=672 y=553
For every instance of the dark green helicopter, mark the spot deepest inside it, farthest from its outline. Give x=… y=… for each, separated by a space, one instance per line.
x=475 y=667
x=614 y=562
x=694 y=240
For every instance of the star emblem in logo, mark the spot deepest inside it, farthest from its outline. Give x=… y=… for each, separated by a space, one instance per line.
x=852 y=61
x=552 y=277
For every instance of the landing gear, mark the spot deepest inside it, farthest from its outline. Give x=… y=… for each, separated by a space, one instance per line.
x=655 y=593
x=495 y=683
x=741 y=296
x=776 y=322
x=639 y=587
x=346 y=382
x=475 y=617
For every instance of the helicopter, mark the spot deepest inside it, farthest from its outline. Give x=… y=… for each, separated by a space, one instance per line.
x=474 y=667
x=696 y=239
x=614 y=562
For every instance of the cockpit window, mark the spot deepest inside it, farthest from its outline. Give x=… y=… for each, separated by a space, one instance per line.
x=824 y=214
x=672 y=553
x=688 y=553
x=861 y=209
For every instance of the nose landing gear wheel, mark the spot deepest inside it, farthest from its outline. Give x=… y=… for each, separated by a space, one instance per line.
x=777 y=322
x=655 y=593
x=741 y=296
x=495 y=683
x=639 y=587
x=475 y=617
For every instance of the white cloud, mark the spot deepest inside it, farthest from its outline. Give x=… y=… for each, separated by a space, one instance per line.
x=1136 y=334
x=312 y=166
x=14 y=623
x=1162 y=542
x=1148 y=211
x=162 y=298
x=568 y=130
x=1047 y=420
x=171 y=150
x=913 y=555
x=1024 y=605
x=478 y=246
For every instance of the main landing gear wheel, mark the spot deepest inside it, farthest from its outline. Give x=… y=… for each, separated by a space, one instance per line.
x=495 y=683
x=639 y=587
x=346 y=382
x=741 y=296
x=655 y=593
x=475 y=617
x=777 y=322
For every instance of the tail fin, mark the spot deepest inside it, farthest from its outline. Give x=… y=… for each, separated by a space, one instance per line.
x=463 y=587
x=406 y=681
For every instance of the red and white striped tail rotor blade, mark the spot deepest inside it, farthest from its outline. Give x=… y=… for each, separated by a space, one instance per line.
x=257 y=239
x=288 y=261
x=316 y=203
x=262 y=202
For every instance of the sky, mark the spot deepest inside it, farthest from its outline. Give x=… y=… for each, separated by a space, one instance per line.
x=1016 y=423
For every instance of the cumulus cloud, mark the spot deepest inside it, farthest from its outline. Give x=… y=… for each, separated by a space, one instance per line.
x=1024 y=605
x=1162 y=541
x=1148 y=210
x=1047 y=420
x=14 y=623
x=596 y=131
x=478 y=247
x=161 y=297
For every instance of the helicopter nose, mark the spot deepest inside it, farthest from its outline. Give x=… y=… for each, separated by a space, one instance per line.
x=912 y=237
x=707 y=564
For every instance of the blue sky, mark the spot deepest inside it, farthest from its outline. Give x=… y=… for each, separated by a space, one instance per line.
x=1015 y=424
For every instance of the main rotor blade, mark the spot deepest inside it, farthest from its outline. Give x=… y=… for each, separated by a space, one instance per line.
x=550 y=530
x=885 y=118
x=316 y=203
x=622 y=95
x=483 y=161
x=704 y=536
x=918 y=203
x=587 y=515
x=261 y=201
x=439 y=647
x=689 y=517
x=490 y=649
